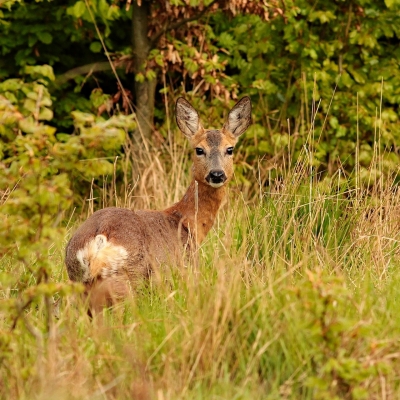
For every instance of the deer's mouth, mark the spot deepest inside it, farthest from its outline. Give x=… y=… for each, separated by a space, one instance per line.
x=216 y=185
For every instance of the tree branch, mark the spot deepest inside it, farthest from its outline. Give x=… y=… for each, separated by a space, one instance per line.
x=89 y=69
x=167 y=27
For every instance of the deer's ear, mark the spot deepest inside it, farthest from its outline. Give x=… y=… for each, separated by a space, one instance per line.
x=239 y=118
x=187 y=118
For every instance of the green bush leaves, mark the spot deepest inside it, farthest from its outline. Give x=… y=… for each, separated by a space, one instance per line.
x=37 y=168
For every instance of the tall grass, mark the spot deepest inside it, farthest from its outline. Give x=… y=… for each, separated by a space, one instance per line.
x=296 y=297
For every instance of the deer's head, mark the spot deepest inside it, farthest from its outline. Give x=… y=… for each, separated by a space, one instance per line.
x=213 y=158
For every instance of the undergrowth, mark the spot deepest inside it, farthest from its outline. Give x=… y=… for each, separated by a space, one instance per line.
x=295 y=297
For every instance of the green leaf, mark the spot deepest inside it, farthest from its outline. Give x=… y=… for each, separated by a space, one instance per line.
x=322 y=16
x=44 y=37
x=30 y=105
x=46 y=114
x=11 y=85
x=357 y=75
x=63 y=137
x=77 y=10
x=333 y=122
x=226 y=40
x=82 y=118
x=139 y=77
x=40 y=71
x=113 y=12
x=96 y=47
x=150 y=75
x=32 y=40
x=164 y=90
x=313 y=54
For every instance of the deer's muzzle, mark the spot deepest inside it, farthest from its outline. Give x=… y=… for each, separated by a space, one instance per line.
x=216 y=176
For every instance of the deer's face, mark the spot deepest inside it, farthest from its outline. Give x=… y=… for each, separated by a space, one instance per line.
x=213 y=157
x=213 y=149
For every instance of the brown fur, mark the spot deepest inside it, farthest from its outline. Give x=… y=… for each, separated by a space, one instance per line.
x=116 y=247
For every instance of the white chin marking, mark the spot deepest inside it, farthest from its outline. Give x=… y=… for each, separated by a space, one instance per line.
x=216 y=185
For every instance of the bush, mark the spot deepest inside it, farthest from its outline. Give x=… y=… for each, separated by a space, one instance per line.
x=37 y=170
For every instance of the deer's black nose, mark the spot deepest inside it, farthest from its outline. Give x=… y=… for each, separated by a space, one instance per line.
x=216 y=176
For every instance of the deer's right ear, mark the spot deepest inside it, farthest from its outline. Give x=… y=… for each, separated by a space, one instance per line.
x=239 y=118
x=187 y=118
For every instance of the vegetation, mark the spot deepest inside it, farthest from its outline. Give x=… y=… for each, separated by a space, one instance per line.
x=296 y=293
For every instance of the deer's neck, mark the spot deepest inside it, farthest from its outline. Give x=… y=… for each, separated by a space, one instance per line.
x=197 y=211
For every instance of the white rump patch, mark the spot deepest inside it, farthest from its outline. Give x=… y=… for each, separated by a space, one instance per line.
x=101 y=257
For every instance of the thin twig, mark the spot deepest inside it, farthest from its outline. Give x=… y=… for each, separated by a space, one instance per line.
x=108 y=56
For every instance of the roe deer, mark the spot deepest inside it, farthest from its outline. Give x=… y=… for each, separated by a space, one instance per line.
x=115 y=247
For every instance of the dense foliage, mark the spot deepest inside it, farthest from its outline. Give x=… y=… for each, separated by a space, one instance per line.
x=293 y=58
x=37 y=171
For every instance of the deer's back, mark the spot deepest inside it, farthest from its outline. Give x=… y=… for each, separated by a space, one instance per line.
x=118 y=241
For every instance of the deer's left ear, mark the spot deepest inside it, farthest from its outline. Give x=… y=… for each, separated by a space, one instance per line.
x=239 y=118
x=187 y=118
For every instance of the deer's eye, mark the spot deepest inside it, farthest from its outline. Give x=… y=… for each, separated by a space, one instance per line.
x=199 y=151
x=229 y=151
